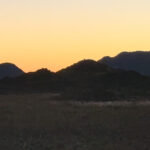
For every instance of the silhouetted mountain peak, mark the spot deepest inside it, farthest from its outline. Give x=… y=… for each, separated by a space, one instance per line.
x=9 y=70
x=8 y=65
x=85 y=66
x=43 y=73
x=138 y=54
x=138 y=61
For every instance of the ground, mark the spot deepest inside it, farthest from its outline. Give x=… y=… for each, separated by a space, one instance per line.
x=38 y=122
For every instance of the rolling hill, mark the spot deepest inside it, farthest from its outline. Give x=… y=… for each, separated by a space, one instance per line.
x=138 y=61
x=86 y=80
x=9 y=70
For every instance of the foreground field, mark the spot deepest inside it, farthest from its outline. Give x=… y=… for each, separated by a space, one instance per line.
x=38 y=122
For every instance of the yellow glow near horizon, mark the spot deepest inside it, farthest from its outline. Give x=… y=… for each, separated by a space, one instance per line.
x=55 y=34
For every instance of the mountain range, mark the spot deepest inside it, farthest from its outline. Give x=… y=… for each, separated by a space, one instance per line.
x=138 y=61
x=85 y=80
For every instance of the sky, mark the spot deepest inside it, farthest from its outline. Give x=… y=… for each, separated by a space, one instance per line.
x=53 y=34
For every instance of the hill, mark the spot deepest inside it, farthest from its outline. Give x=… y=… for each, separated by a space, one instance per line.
x=9 y=70
x=38 y=81
x=84 y=69
x=90 y=80
x=138 y=61
x=86 y=80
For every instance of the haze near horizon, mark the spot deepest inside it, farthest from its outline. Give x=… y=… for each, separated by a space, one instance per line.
x=55 y=34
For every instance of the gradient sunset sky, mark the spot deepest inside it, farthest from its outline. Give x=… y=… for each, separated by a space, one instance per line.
x=57 y=33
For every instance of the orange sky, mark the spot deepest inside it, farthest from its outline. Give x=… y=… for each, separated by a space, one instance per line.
x=55 y=34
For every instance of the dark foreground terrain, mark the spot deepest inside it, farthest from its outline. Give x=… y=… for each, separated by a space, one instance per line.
x=37 y=122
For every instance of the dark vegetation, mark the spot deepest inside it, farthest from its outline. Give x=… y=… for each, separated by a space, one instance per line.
x=36 y=122
x=85 y=80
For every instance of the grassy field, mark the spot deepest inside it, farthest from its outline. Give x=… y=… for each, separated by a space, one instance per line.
x=38 y=122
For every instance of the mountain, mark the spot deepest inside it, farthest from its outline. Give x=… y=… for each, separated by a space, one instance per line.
x=9 y=70
x=91 y=80
x=84 y=68
x=138 y=61
x=41 y=80
x=86 y=80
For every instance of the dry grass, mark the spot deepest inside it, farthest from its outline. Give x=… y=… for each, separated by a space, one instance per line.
x=38 y=122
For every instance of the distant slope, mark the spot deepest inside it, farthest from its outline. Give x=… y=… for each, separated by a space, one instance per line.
x=38 y=81
x=84 y=80
x=84 y=68
x=9 y=70
x=89 y=79
x=138 y=61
